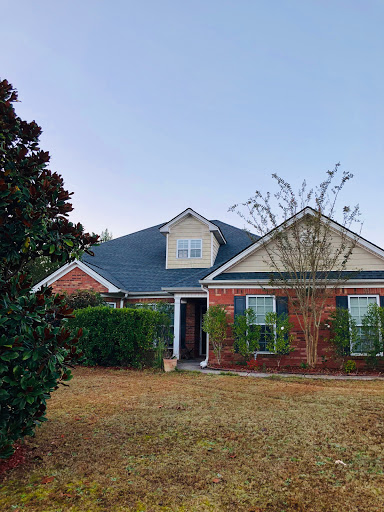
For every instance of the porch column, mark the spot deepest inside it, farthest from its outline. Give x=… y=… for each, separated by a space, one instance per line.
x=176 y=328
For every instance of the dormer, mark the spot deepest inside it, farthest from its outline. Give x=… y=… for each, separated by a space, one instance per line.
x=192 y=241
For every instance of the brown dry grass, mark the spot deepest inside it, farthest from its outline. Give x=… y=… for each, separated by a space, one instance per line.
x=138 y=441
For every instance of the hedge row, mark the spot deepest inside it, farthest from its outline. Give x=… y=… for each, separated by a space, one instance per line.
x=118 y=337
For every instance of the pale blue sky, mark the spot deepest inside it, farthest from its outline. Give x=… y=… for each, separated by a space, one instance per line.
x=152 y=106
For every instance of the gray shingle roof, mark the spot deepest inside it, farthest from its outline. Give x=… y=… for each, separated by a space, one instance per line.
x=136 y=262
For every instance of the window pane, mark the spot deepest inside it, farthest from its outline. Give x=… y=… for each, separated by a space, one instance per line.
x=359 y=308
x=182 y=254
x=182 y=244
x=195 y=244
x=195 y=253
x=263 y=339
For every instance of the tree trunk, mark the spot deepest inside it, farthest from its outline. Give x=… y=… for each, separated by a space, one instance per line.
x=311 y=350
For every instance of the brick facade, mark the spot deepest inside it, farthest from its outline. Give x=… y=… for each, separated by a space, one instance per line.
x=77 y=279
x=225 y=297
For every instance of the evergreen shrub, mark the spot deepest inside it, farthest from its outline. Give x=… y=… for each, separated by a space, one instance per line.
x=118 y=337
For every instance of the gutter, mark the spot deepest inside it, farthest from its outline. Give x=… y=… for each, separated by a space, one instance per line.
x=138 y=294
x=180 y=289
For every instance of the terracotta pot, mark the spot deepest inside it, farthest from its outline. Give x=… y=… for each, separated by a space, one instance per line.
x=169 y=364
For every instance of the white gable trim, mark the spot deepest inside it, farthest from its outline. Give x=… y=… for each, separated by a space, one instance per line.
x=362 y=242
x=212 y=227
x=62 y=271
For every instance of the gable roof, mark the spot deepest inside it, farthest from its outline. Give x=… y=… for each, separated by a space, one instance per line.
x=261 y=241
x=136 y=262
x=105 y=279
x=214 y=228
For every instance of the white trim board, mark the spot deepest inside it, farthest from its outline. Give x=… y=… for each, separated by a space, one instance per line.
x=65 y=269
x=265 y=284
x=374 y=249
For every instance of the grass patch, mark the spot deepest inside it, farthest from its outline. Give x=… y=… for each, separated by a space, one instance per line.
x=140 y=441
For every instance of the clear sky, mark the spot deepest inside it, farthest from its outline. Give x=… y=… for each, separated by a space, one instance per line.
x=152 y=106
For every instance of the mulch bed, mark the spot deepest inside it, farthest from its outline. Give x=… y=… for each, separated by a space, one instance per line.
x=299 y=371
x=15 y=460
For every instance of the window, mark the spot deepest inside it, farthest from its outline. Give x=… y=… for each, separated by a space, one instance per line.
x=358 y=307
x=261 y=305
x=111 y=304
x=188 y=249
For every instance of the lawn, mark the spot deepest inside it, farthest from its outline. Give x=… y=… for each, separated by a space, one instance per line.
x=137 y=441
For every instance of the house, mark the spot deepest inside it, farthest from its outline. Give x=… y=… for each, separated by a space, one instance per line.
x=193 y=263
x=161 y=263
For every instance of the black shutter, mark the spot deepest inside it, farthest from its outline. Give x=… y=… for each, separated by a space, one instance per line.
x=183 y=324
x=342 y=301
x=382 y=301
x=281 y=305
x=282 y=308
x=240 y=304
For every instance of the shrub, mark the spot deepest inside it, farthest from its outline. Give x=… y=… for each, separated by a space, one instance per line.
x=350 y=366
x=215 y=324
x=343 y=333
x=247 y=334
x=118 y=337
x=253 y=364
x=81 y=299
x=278 y=333
x=372 y=333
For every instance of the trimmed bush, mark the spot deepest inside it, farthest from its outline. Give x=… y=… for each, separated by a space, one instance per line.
x=118 y=337
x=80 y=299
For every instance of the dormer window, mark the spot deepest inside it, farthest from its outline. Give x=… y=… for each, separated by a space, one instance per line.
x=189 y=249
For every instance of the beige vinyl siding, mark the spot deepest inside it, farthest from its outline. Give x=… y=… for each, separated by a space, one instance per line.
x=361 y=259
x=215 y=247
x=189 y=228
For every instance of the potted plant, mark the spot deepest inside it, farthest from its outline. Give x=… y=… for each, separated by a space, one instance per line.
x=169 y=361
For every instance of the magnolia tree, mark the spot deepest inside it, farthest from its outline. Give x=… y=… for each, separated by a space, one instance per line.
x=35 y=348
x=306 y=251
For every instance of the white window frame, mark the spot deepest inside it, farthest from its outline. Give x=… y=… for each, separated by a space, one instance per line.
x=377 y=297
x=274 y=311
x=111 y=304
x=189 y=240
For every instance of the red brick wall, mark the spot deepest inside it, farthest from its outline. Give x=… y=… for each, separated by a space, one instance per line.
x=225 y=296
x=77 y=279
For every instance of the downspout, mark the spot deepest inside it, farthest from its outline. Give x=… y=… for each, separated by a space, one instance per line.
x=122 y=300
x=204 y=363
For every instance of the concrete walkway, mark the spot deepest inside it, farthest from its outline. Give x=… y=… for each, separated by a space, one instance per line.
x=194 y=366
